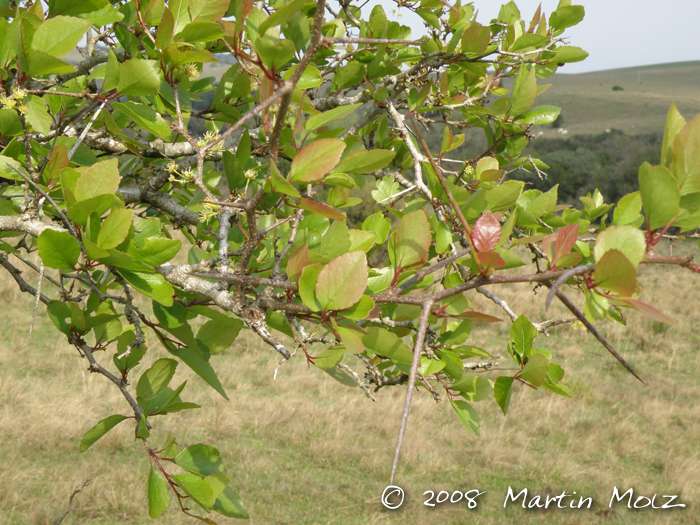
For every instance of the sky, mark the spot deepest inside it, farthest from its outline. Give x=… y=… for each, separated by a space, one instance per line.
x=616 y=33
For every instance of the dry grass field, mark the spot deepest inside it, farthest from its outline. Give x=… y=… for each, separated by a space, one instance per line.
x=303 y=449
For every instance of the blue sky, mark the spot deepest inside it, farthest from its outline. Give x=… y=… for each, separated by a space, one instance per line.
x=616 y=33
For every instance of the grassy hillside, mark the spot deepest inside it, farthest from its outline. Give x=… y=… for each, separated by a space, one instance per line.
x=589 y=104
x=303 y=449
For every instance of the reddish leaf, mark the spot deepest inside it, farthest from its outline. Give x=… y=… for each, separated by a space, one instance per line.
x=615 y=272
x=342 y=281
x=566 y=239
x=486 y=232
x=321 y=209
x=643 y=308
x=479 y=317
x=549 y=247
x=316 y=160
x=297 y=261
x=490 y=260
x=412 y=240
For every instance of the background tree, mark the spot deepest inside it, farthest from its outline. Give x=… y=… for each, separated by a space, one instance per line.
x=105 y=171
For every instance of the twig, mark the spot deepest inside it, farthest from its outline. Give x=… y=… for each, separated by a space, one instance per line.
x=417 y=352
x=76 y=491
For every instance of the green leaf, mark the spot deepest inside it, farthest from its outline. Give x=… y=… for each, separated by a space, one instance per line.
x=156 y=250
x=360 y=309
x=99 y=430
x=156 y=378
x=475 y=38
x=151 y=284
x=522 y=335
x=145 y=117
x=330 y=357
x=115 y=228
x=615 y=272
x=341 y=283
x=627 y=239
x=196 y=488
x=59 y=35
x=307 y=286
x=567 y=54
x=200 y=459
x=217 y=336
x=58 y=249
x=316 y=160
x=278 y=183
x=467 y=416
x=158 y=495
x=362 y=161
x=566 y=16
x=310 y=77
x=211 y=10
x=386 y=189
x=170 y=316
x=325 y=118
x=201 y=31
x=275 y=54
x=674 y=123
x=229 y=504
x=502 y=390
x=37 y=115
x=685 y=157
x=412 y=240
x=540 y=115
x=385 y=343
x=379 y=224
x=192 y=357
x=628 y=209
x=138 y=77
x=535 y=370
x=350 y=339
x=99 y=179
x=59 y=313
x=281 y=15
x=523 y=92
x=40 y=63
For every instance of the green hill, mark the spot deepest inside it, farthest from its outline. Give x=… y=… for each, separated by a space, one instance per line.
x=589 y=104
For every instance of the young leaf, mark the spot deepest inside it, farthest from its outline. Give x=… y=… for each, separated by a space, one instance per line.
x=342 y=281
x=467 y=416
x=200 y=459
x=115 y=228
x=99 y=430
x=535 y=370
x=158 y=495
x=138 y=77
x=316 y=160
x=412 y=240
x=522 y=335
x=58 y=249
x=615 y=272
x=156 y=378
x=502 y=390
x=486 y=232
x=229 y=504
x=660 y=195
x=196 y=488
x=627 y=239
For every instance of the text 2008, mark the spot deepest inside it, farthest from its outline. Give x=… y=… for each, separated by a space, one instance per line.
x=444 y=497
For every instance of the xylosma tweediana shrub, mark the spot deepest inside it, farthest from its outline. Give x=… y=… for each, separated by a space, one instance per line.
x=103 y=161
